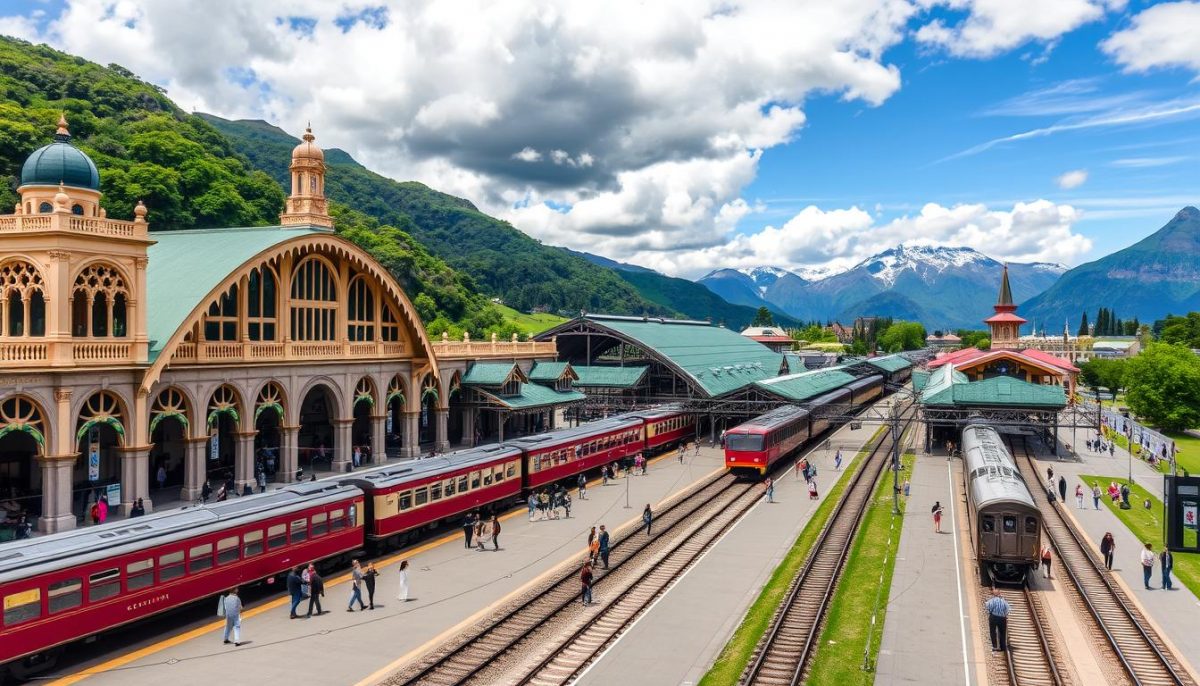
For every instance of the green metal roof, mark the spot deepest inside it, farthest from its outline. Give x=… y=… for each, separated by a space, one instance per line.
x=491 y=373
x=891 y=363
x=609 y=377
x=805 y=385
x=940 y=382
x=185 y=265
x=533 y=396
x=718 y=360
x=548 y=371
x=946 y=388
x=60 y=162
x=920 y=377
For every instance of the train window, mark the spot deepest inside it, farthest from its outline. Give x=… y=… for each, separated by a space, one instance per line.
x=227 y=550
x=277 y=536
x=474 y=480
x=448 y=488
x=23 y=606
x=139 y=574
x=535 y=464
x=512 y=467
x=989 y=524
x=170 y=566
x=405 y=500
x=320 y=524
x=435 y=492
x=200 y=558
x=462 y=484
x=337 y=520
x=1030 y=525
x=743 y=442
x=1010 y=524
x=299 y=530
x=65 y=594
x=487 y=477
x=252 y=543
x=420 y=496
x=103 y=585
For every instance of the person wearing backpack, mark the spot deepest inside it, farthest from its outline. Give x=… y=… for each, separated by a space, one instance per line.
x=230 y=607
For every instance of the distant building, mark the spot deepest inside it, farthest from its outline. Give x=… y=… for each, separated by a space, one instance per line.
x=844 y=334
x=773 y=337
x=947 y=341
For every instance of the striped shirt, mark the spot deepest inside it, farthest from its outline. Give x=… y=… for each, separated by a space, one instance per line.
x=997 y=606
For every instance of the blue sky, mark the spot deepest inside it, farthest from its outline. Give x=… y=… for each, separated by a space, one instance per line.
x=702 y=134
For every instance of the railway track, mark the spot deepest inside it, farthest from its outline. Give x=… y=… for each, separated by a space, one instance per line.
x=1032 y=657
x=1141 y=652
x=535 y=630
x=784 y=651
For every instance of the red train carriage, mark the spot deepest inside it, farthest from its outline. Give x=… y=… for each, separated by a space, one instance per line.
x=666 y=427
x=752 y=447
x=69 y=586
x=402 y=499
x=550 y=457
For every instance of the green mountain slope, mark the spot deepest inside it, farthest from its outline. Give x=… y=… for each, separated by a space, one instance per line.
x=505 y=263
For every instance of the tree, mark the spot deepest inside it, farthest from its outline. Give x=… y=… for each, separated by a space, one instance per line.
x=1164 y=386
x=763 y=318
x=1104 y=373
x=1181 y=330
x=814 y=333
x=974 y=338
x=902 y=336
x=1083 y=326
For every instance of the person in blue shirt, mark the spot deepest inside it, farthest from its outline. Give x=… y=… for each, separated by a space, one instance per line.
x=997 y=609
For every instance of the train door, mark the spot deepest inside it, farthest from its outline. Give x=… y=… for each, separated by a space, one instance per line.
x=989 y=534
x=1030 y=538
x=1010 y=538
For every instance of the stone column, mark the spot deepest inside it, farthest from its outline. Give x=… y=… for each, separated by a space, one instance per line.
x=289 y=454
x=410 y=446
x=56 y=493
x=194 y=470
x=243 y=460
x=468 y=424
x=342 y=444
x=379 y=438
x=135 y=478
x=441 y=441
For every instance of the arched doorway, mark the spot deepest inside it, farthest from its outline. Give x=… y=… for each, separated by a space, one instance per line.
x=268 y=418
x=360 y=431
x=169 y=422
x=427 y=422
x=316 y=435
x=394 y=422
x=99 y=433
x=456 y=429
x=224 y=416
x=22 y=439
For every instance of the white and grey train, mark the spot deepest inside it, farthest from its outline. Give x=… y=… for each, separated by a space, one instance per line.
x=1006 y=526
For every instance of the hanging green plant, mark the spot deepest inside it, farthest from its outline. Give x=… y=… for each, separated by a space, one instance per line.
x=272 y=406
x=26 y=428
x=454 y=390
x=395 y=395
x=429 y=392
x=364 y=398
x=110 y=421
x=167 y=414
x=217 y=412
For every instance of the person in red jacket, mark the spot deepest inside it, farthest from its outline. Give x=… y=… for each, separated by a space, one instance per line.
x=585 y=577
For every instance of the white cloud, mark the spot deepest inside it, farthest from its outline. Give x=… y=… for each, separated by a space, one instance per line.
x=1164 y=35
x=527 y=154
x=995 y=26
x=1147 y=162
x=1072 y=179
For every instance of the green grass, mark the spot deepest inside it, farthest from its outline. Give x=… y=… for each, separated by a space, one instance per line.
x=863 y=589
x=531 y=324
x=737 y=652
x=1147 y=525
x=1187 y=449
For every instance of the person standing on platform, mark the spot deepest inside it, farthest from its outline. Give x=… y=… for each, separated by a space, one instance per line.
x=594 y=549
x=582 y=483
x=1050 y=474
x=1095 y=496
x=293 y=587
x=602 y=542
x=812 y=489
x=482 y=530
x=799 y=467
x=769 y=487
x=262 y=481
x=403 y=595
x=1062 y=488
x=356 y=579
x=532 y=503
x=1112 y=449
x=647 y=518
x=837 y=459
x=1147 y=564
x=585 y=579
x=696 y=445
x=369 y=575
x=205 y=491
x=138 y=509
x=1167 y=562
x=1047 y=558
x=682 y=452
x=1108 y=546
x=231 y=608
x=316 y=589
x=997 y=610
x=495 y=533
x=468 y=527
x=907 y=488
x=1079 y=495
x=936 y=511
x=567 y=504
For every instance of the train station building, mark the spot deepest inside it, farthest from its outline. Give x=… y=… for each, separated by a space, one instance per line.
x=130 y=354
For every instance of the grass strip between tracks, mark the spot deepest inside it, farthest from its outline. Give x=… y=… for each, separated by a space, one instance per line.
x=737 y=652
x=866 y=581
x=1147 y=525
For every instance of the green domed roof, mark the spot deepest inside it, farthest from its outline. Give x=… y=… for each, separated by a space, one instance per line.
x=60 y=162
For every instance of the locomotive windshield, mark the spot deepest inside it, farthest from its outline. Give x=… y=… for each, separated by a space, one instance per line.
x=743 y=442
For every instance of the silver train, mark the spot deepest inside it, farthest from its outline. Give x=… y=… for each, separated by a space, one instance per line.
x=1006 y=526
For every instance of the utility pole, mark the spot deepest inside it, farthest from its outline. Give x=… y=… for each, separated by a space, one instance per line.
x=895 y=422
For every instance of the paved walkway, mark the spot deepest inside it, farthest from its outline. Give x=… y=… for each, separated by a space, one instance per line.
x=924 y=635
x=449 y=585
x=678 y=640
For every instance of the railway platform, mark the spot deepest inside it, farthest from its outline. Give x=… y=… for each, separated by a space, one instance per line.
x=450 y=586
x=926 y=635
x=677 y=640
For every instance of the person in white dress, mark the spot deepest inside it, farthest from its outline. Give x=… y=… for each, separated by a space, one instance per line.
x=403 y=597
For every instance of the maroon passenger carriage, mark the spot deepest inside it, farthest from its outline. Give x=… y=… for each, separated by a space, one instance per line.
x=558 y=455
x=75 y=584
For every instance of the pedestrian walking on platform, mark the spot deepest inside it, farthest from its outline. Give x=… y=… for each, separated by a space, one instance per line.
x=837 y=459
x=316 y=589
x=231 y=609
x=1167 y=563
x=1062 y=489
x=205 y=491
x=567 y=504
x=369 y=575
x=1079 y=495
x=1108 y=547
x=602 y=542
x=403 y=595
x=770 y=490
x=585 y=579
x=483 y=529
x=582 y=482
x=1112 y=449
x=495 y=533
x=647 y=518
x=1147 y=564
x=1050 y=474
x=682 y=452
x=1095 y=496
x=696 y=445
x=1047 y=558
x=294 y=584
x=468 y=527
x=812 y=489
x=907 y=488
x=356 y=580
x=936 y=511
x=997 y=611
x=532 y=503
x=544 y=504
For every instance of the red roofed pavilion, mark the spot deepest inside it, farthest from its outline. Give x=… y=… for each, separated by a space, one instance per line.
x=1005 y=324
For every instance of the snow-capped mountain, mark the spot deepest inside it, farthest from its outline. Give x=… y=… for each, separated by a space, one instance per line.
x=763 y=277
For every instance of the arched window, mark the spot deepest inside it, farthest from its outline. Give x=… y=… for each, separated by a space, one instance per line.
x=220 y=323
x=45 y=208
x=101 y=408
x=361 y=311
x=19 y=413
x=314 y=302
x=261 y=304
x=99 y=303
x=170 y=404
x=21 y=300
x=77 y=210
x=389 y=327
